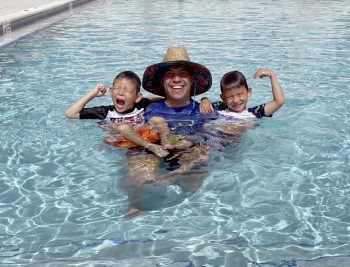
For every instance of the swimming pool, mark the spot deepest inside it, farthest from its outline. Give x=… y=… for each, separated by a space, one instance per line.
x=278 y=198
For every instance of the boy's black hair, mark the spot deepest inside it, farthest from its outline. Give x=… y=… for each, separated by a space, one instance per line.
x=131 y=76
x=233 y=79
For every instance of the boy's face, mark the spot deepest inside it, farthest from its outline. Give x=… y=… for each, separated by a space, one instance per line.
x=177 y=83
x=236 y=99
x=124 y=95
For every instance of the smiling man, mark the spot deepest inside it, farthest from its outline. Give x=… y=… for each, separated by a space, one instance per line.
x=177 y=79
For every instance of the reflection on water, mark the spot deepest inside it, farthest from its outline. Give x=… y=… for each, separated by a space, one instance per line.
x=278 y=197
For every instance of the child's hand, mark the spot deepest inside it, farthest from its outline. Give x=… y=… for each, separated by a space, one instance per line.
x=277 y=93
x=205 y=106
x=73 y=112
x=263 y=72
x=99 y=90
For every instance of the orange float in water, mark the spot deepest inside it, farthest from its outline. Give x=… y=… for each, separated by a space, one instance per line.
x=145 y=132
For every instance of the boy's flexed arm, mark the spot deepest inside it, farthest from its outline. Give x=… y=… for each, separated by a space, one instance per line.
x=73 y=111
x=278 y=97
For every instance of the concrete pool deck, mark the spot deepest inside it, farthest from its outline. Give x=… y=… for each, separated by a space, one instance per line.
x=21 y=17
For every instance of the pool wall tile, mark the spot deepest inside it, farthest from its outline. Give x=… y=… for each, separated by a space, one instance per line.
x=19 y=24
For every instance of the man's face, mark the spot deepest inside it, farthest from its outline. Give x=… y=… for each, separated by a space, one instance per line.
x=177 y=82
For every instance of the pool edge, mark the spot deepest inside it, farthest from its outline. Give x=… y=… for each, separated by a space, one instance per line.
x=19 y=24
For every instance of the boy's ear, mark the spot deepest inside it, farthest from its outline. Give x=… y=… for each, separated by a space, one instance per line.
x=222 y=97
x=139 y=96
x=250 y=91
x=110 y=90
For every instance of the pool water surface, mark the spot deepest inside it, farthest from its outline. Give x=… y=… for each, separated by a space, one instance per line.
x=280 y=197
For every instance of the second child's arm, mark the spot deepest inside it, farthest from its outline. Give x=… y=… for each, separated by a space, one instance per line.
x=278 y=97
x=73 y=111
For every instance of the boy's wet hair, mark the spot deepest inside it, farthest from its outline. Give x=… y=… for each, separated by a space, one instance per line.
x=132 y=77
x=233 y=79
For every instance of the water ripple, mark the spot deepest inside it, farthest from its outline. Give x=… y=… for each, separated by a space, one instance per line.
x=277 y=198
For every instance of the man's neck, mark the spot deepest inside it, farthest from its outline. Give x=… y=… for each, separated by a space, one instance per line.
x=177 y=103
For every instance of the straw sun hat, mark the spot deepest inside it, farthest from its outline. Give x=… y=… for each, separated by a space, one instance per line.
x=176 y=56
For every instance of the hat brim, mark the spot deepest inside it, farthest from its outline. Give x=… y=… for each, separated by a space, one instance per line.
x=151 y=81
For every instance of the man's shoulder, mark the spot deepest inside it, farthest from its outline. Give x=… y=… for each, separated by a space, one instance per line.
x=157 y=103
x=143 y=103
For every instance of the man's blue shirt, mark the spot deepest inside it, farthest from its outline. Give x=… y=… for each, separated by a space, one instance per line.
x=181 y=120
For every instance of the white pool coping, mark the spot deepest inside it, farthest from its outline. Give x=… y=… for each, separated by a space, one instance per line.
x=22 y=17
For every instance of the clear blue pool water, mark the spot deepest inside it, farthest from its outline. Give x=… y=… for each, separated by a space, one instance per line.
x=278 y=198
